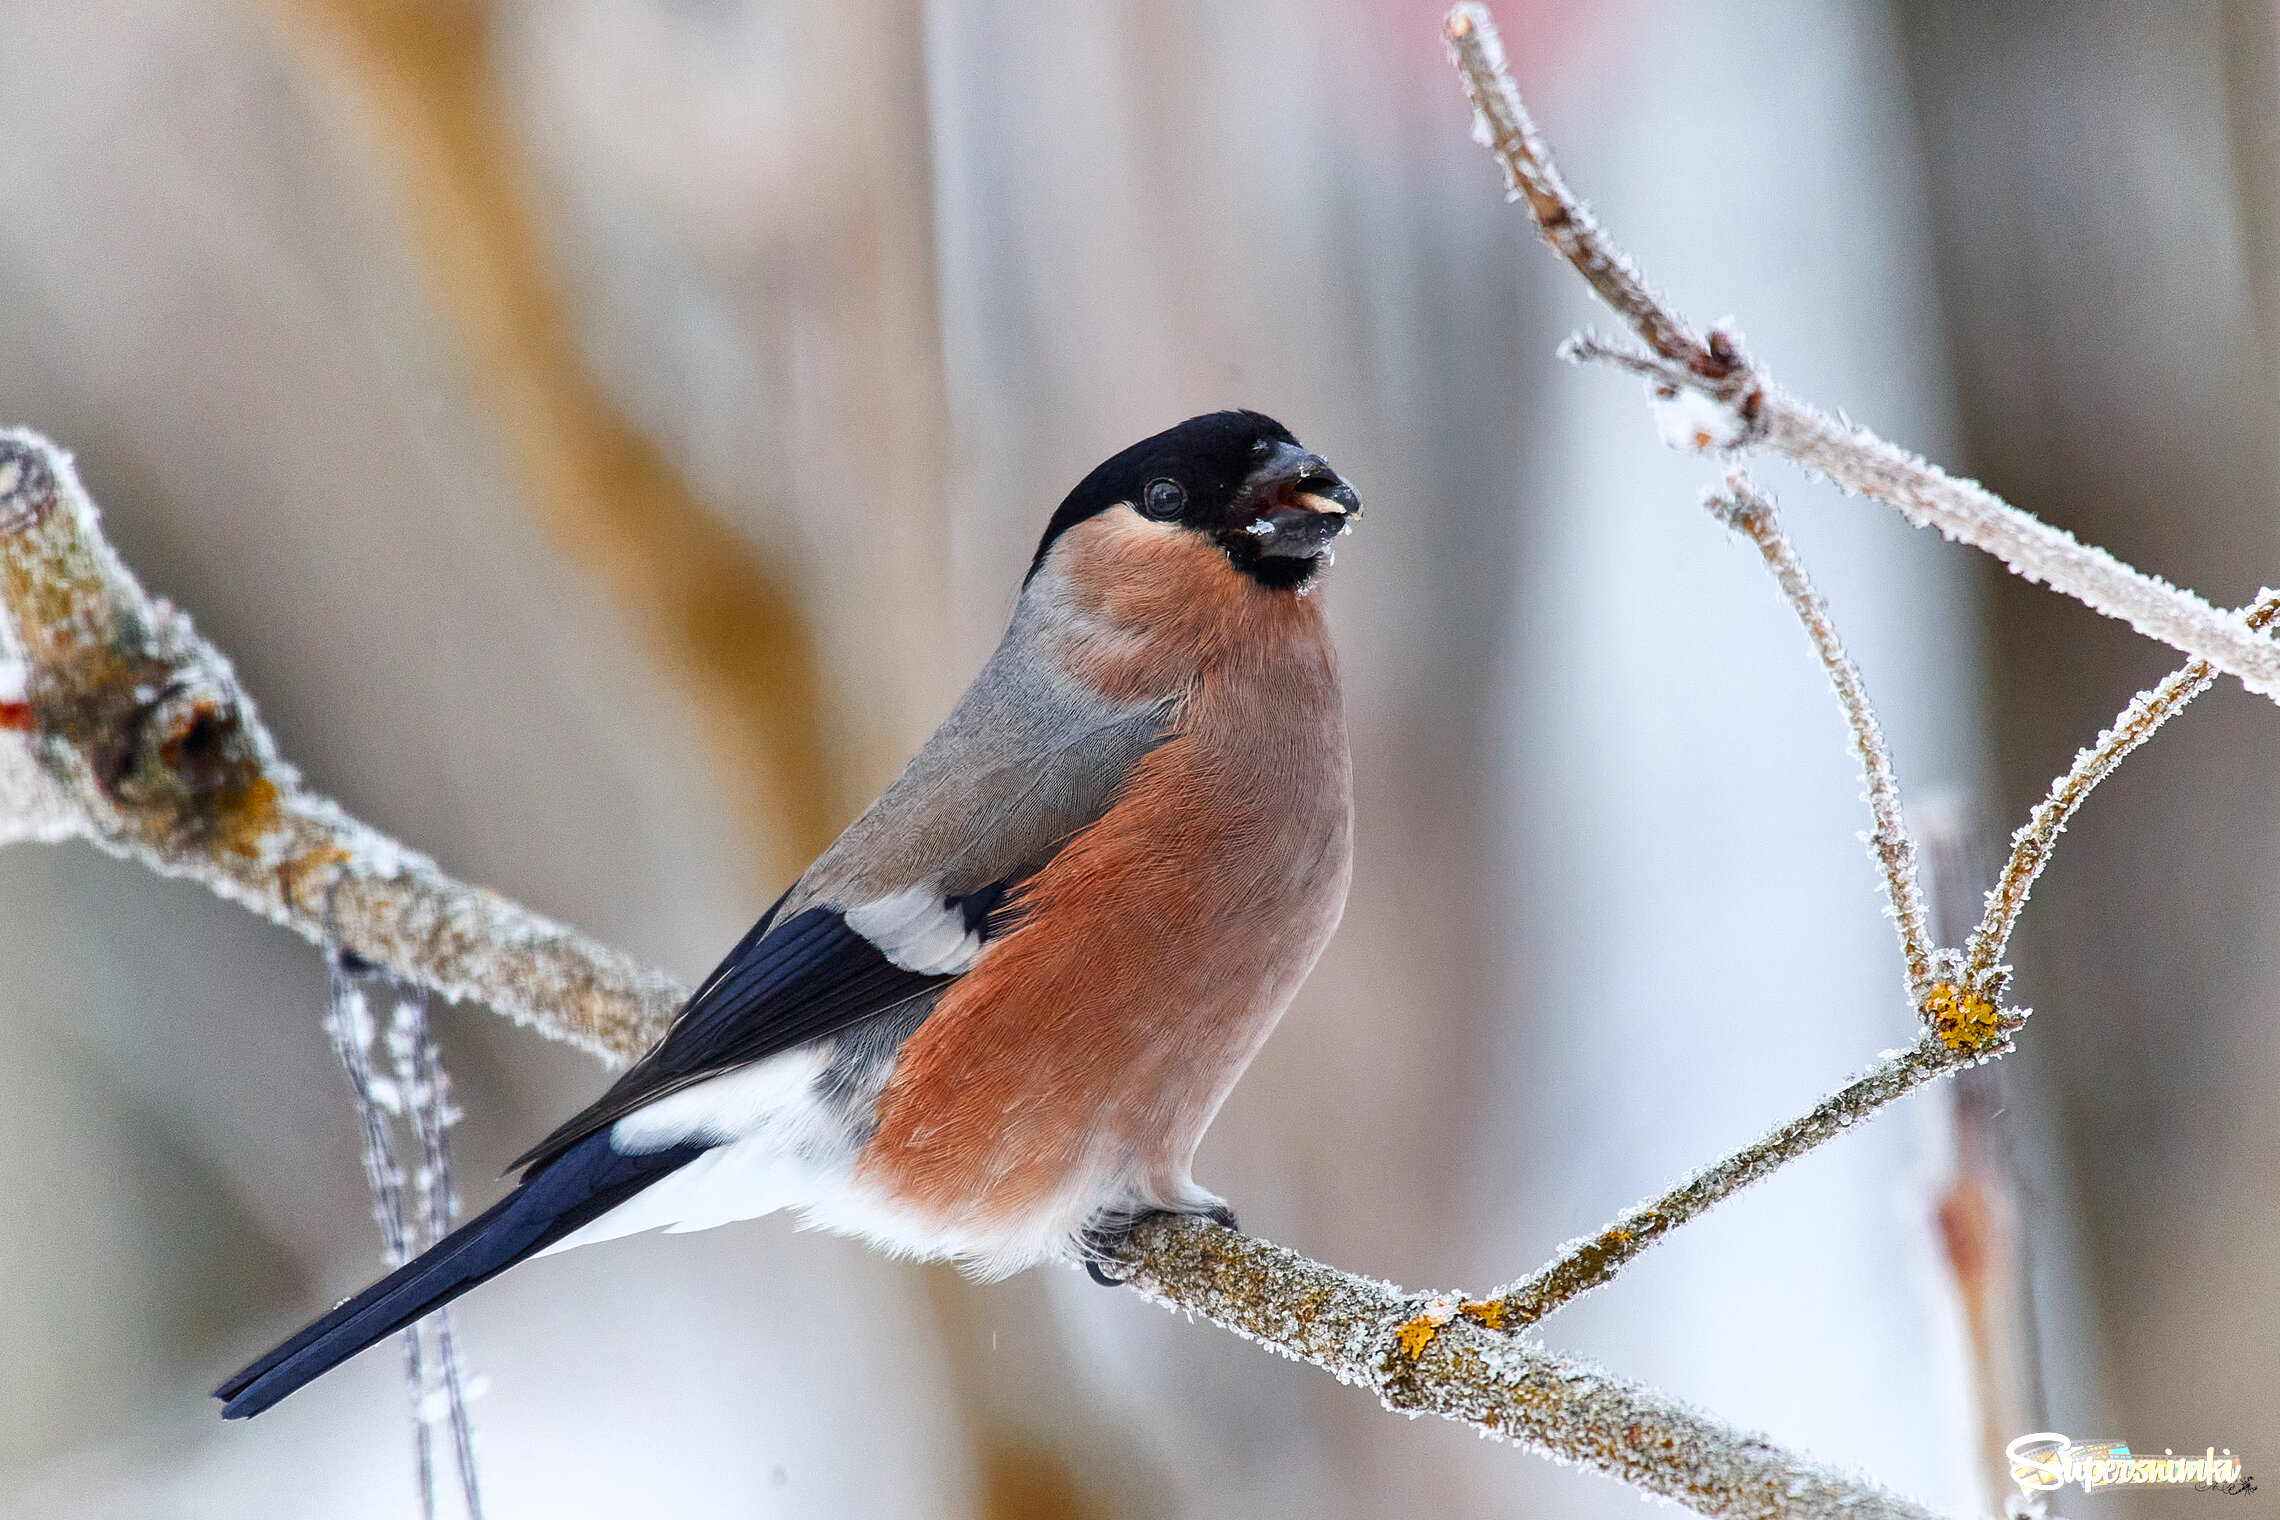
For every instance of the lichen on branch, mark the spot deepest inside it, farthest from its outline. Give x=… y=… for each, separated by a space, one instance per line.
x=1435 y=1354
x=141 y=740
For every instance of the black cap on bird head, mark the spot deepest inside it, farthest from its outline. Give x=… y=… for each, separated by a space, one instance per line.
x=1239 y=479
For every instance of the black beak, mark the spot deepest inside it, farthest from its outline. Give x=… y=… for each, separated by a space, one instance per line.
x=1297 y=505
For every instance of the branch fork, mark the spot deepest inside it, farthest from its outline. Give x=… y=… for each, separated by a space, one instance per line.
x=1850 y=457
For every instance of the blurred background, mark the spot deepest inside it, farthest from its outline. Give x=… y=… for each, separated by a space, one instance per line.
x=607 y=436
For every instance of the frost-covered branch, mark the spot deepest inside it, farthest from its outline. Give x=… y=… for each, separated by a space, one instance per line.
x=1719 y=401
x=1593 y=1260
x=1502 y=125
x=1960 y=1002
x=137 y=736
x=349 y=1023
x=1444 y=1354
x=424 y=1089
x=1960 y=1031
x=2032 y=845
x=133 y=733
x=1751 y=513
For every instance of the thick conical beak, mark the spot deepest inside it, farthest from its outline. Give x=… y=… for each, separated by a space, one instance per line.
x=1298 y=504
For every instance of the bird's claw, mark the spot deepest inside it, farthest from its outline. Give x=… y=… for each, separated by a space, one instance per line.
x=1101 y=1244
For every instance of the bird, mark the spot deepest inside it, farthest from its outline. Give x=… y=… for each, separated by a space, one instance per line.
x=993 y=1020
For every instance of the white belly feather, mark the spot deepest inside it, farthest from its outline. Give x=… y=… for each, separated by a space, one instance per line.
x=780 y=1143
x=776 y=1144
x=781 y=1137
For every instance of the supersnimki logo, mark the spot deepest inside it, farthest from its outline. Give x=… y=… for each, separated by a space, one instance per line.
x=2048 y=1460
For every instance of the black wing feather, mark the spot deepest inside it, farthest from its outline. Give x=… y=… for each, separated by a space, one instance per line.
x=581 y=1187
x=785 y=984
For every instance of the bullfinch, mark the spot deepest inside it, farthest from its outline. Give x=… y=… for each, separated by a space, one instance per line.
x=993 y=1020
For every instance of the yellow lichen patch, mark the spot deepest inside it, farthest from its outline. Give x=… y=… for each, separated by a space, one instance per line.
x=246 y=815
x=295 y=871
x=309 y=862
x=1416 y=1334
x=1486 y=1311
x=1963 y=1020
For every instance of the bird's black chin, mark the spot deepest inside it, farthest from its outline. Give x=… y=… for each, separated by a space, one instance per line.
x=1282 y=574
x=1294 y=532
x=1285 y=549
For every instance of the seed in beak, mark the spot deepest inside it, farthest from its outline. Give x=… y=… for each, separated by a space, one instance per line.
x=1324 y=492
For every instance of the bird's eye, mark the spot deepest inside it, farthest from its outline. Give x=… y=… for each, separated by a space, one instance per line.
x=1163 y=499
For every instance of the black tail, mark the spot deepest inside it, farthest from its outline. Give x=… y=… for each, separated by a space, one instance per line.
x=580 y=1186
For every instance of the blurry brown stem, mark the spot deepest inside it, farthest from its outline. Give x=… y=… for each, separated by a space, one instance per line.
x=134 y=734
x=721 y=621
x=1750 y=512
x=1759 y=416
x=1981 y=1233
x=719 y=616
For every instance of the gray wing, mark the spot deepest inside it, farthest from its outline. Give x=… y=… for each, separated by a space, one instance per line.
x=1029 y=756
x=900 y=905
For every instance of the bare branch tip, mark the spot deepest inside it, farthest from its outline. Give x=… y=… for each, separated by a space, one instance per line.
x=1739 y=505
x=27 y=480
x=1752 y=414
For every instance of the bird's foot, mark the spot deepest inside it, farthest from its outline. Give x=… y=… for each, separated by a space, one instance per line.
x=1101 y=1246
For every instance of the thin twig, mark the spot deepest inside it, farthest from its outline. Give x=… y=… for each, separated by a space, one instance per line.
x=2031 y=847
x=1588 y=1263
x=1501 y=124
x=1859 y=461
x=1591 y=1262
x=110 y=675
x=349 y=1022
x=1758 y=415
x=426 y=1087
x=1751 y=513
x=1594 y=1260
